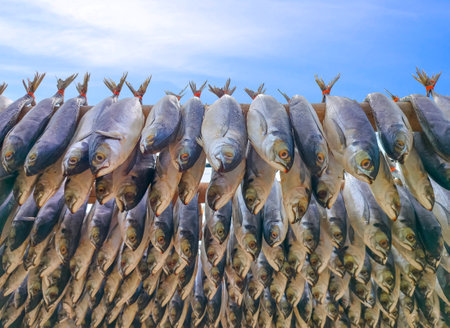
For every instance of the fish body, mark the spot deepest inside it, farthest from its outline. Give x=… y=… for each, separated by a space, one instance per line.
x=219 y=222
x=100 y=222
x=165 y=184
x=275 y=221
x=351 y=138
x=166 y=288
x=24 y=134
x=223 y=133
x=110 y=247
x=393 y=126
x=247 y=226
x=238 y=259
x=135 y=221
x=223 y=186
x=436 y=166
x=269 y=130
x=337 y=223
x=257 y=182
x=416 y=179
x=198 y=299
x=404 y=228
x=116 y=132
x=296 y=189
x=77 y=188
x=127 y=288
x=161 y=125
x=185 y=151
x=191 y=178
x=211 y=251
x=307 y=231
x=186 y=230
x=309 y=135
x=435 y=125
x=48 y=183
x=161 y=230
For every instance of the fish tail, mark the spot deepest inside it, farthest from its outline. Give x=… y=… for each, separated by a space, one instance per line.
x=3 y=87
x=284 y=95
x=195 y=91
x=394 y=97
x=142 y=89
x=254 y=94
x=82 y=87
x=326 y=88
x=179 y=95
x=425 y=80
x=111 y=85
x=219 y=92
x=63 y=84
x=32 y=86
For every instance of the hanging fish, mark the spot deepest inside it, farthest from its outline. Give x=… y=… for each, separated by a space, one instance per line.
x=210 y=249
x=190 y=179
x=350 y=135
x=247 y=226
x=261 y=276
x=223 y=133
x=307 y=231
x=10 y=115
x=404 y=228
x=223 y=186
x=76 y=159
x=268 y=309
x=24 y=134
x=77 y=189
x=111 y=245
x=116 y=132
x=48 y=183
x=135 y=221
x=162 y=123
x=23 y=186
x=198 y=299
x=164 y=185
x=257 y=182
x=219 y=222
x=393 y=126
x=185 y=150
x=308 y=133
x=275 y=222
x=46 y=151
x=99 y=223
x=161 y=230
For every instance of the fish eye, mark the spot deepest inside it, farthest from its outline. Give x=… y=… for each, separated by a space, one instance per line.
x=187 y=251
x=337 y=235
x=228 y=154
x=99 y=157
x=73 y=160
x=384 y=243
x=320 y=157
x=366 y=163
x=322 y=194
x=313 y=261
x=215 y=275
x=100 y=189
x=184 y=157
x=161 y=240
x=252 y=244
x=211 y=254
x=132 y=238
x=220 y=231
x=274 y=235
x=9 y=154
x=389 y=280
x=263 y=277
x=250 y=200
x=283 y=154
x=63 y=250
x=32 y=157
x=410 y=237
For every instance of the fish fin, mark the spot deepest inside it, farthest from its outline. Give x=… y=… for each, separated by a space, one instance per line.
x=394 y=97
x=262 y=120
x=284 y=95
x=142 y=89
x=83 y=87
x=111 y=135
x=63 y=84
x=195 y=91
x=200 y=141
x=179 y=95
x=32 y=86
x=427 y=81
x=111 y=85
x=219 y=92
x=254 y=94
x=340 y=133
x=25 y=218
x=3 y=87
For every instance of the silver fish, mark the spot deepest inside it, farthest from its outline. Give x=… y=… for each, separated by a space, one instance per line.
x=269 y=130
x=48 y=183
x=99 y=222
x=238 y=259
x=393 y=126
x=404 y=228
x=210 y=249
x=198 y=299
x=275 y=256
x=166 y=288
x=364 y=292
x=337 y=286
x=135 y=221
x=127 y=288
x=191 y=178
x=114 y=139
x=165 y=184
x=161 y=230
x=278 y=285
x=307 y=231
x=14 y=280
x=223 y=133
x=23 y=186
x=319 y=290
x=296 y=255
x=110 y=247
x=185 y=150
x=77 y=188
x=219 y=221
x=337 y=223
x=268 y=309
x=296 y=189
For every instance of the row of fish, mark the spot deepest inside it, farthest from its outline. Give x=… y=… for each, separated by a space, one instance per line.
x=262 y=240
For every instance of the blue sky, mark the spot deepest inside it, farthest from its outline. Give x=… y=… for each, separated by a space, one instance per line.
x=373 y=44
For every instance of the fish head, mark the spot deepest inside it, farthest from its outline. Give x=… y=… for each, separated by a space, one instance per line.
x=295 y=260
x=62 y=249
x=310 y=274
x=397 y=142
x=381 y=243
x=40 y=193
x=226 y=155
x=363 y=164
x=128 y=196
x=211 y=253
x=332 y=311
x=214 y=196
x=315 y=261
x=220 y=230
x=252 y=245
x=264 y=275
x=333 y=288
x=323 y=190
x=34 y=288
x=318 y=294
x=133 y=237
x=309 y=239
x=427 y=197
x=51 y=294
x=187 y=248
x=216 y=275
x=272 y=234
x=350 y=264
x=407 y=237
x=103 y=188
x=337 y=265
x=387 y=279
x=77 y=159
x=30 y=163
x=198 y=307
x=406 y=287
x=186 y=154
x=252 y=201
x=285 y=307
x=96 y=236
x=72 y=199
x=282 y=155
x=239 y=262
x=162 y=237
x=384 y=299
x=30 y=258
x=13 y=153
x=338 y=231
x=101 y=155
x=317 y=147
x=185 y=191
x=159 y=198
x=292 y=294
